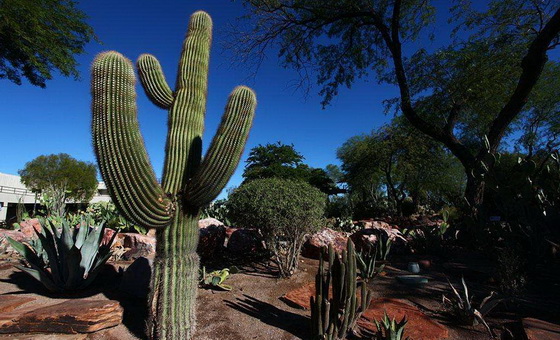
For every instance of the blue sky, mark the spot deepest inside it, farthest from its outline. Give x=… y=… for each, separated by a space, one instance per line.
x=39 y=121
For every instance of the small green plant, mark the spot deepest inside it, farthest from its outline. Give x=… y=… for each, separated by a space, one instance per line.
x=460 y=306
x=389 y=329
x=74 y=256
x=366 y=260
x=216 y=278
x=511 y=273
x=107 y=212
x=218 y=210
x=384 y=247
x=343 y=224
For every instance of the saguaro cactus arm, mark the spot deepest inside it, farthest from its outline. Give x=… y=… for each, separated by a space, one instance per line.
x=153 y=81
x=118 y=144
x=225 y=150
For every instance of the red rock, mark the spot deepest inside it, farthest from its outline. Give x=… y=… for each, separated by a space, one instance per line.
x=10 y=302
x=71 y=316
x=312 y=247
x=419 y=326
x=301 y=297
x=536 y=329
x=206 y=222
x=28 y=228
x=13 y=234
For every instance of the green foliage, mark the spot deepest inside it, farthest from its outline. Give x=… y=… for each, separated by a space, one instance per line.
x=59 y=178
x=284 y=211
x=75 y=255
x=460 y=306
x=40 y=36
x=403 y=161
x=334 y=318
x=343 y=224
x=108 y=213
x=216 y=278
x=408 y=207
x=283 y=161
x=218 y=210
x=366 y=260
x=389 y=329
x=485 y=82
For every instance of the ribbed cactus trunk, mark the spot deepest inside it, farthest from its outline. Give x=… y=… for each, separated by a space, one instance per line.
x=189 y=182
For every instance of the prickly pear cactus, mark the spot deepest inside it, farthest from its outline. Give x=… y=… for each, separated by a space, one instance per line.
x=189 y=182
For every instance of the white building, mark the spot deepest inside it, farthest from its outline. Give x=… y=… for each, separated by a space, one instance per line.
x=13 y=191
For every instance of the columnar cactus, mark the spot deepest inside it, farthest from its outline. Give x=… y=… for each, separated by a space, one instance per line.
x=189 y=182
x=332 y=318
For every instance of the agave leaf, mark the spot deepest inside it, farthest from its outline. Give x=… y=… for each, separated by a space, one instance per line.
x=468 y=302
x=95 y=269
x=26 y=252
x=49 y=245
x=42 y=277
x=224 y=287
x=455 y=292
x=90 y=247
x=75 y=272
x=81 y=235
x=481 y=319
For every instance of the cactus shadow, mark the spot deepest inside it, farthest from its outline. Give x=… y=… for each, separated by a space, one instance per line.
x=295 y=324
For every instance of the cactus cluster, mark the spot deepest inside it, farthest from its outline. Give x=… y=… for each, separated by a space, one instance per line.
x=332 y=318
x=189 y=181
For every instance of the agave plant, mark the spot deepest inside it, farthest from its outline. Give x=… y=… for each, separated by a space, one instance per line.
x=216 y=278
x=74 y=256
x=389 y=329
x=461 y=306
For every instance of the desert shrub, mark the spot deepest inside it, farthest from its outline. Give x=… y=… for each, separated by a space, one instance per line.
x=283 y=211
x=511 y=272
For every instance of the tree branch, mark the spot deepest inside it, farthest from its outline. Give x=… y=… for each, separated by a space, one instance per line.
x=532 y=66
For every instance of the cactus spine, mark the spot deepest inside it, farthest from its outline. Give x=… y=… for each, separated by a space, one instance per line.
x=333 y=317
x=188 y=181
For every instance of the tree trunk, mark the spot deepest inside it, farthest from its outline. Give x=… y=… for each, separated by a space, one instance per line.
x=474 y=191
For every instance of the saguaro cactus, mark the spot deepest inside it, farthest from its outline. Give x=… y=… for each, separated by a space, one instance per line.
x=188 y=182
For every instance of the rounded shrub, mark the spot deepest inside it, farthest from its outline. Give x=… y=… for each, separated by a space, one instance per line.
x=284 y=211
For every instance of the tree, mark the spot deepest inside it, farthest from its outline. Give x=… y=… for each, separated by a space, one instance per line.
x=465 y=95
x=283 y=161
x=60 y=178
x=40 y=36
x=403 y=162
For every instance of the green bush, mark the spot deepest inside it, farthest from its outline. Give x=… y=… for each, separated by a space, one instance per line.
x=283 y=211
x=408 y=207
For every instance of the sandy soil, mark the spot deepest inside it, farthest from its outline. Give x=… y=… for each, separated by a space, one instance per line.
x=254 y=310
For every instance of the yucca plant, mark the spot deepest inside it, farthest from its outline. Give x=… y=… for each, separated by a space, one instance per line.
x=74 y=256
x=389 y=329
x=461 y=307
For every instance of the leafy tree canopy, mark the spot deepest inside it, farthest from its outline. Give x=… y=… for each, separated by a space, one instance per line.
x=490 y=77
x=60 y=177
x=283 y=161
x=40 y=36
x=398 y=159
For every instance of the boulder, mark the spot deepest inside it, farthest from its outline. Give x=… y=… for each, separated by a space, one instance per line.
x=374 y=231
x=245 y=241
x=71 y=316
x=211 y=237
x=419 y=326
x=536 y=329
x=10 y=302
x=312 y=247
x=28 y=227
x=5 y=246
x=107 y=235
x=136 y=278
x=206 y=222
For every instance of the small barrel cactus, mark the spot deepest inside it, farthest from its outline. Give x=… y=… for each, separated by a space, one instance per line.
x=189 y=182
